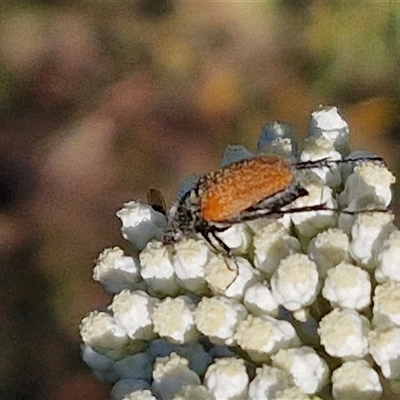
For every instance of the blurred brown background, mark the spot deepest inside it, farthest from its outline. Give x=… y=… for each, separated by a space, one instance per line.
x=101 y=100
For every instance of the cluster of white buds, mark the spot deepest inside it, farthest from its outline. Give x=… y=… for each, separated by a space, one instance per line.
x=307 y=306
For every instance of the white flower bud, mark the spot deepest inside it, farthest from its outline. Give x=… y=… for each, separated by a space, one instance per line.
x=198 y=358
x=309 y=223
x=387 y=259
x=308 y=370
x=220 y=272
x=173 y=319
x=355 y=158
x=319 y=148
x=140 y=223
x=157 y=270
x=230 y=277
x=347 y=286
x=344 y=334
x=277 y=138
x=189 y=261
x=237 y=238
x=116 y=271
x=295 y=283
x=267 y=382
x=384 y=347
x=259 y=301
x=387 y=304
x=262 y=336
x=194 y=392
x=368 y=187
x=170 y=375
x=368 y=232
x=326 y=122
x=100 y=331
x=132 y=311
x=356 y=380
x=218 y=317
x=284 y=147
x=329 y=248
x=271 y=244
x=227 y=379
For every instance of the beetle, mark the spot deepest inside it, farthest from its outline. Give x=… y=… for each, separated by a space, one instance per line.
x=243 y=191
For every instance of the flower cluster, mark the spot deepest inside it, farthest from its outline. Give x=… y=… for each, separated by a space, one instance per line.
x=308 y=307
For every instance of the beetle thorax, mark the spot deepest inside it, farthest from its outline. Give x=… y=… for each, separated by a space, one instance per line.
x=184 y=218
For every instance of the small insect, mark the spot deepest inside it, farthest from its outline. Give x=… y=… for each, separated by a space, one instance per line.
x=242 y=191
